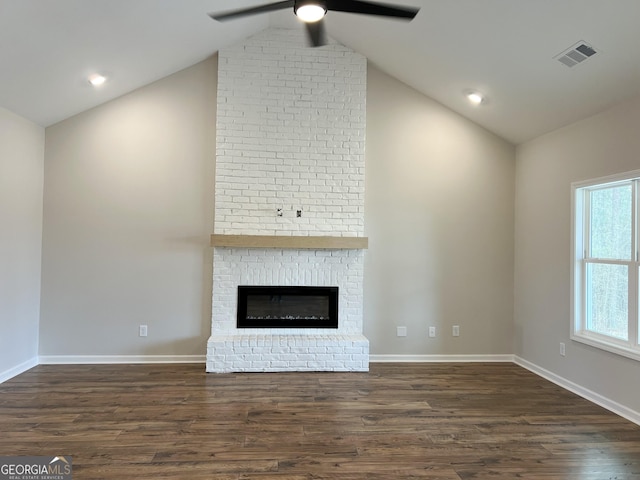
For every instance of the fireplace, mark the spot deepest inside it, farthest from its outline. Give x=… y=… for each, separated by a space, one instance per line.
x=287 y=307
x=290 y=188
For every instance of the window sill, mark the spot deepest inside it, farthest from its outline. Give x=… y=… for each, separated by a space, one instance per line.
x=611 y=347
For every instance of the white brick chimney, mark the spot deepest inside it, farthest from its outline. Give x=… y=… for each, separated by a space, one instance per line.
x=290 y=162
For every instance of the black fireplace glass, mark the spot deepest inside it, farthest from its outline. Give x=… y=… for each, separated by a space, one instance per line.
x=287 y=307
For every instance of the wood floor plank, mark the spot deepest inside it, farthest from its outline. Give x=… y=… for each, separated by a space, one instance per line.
x=398 y=421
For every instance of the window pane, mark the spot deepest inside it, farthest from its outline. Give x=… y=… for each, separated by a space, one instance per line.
x=611 y=222
x=607 y=293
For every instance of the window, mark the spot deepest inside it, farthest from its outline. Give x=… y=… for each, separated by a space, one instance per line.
x=606 y=269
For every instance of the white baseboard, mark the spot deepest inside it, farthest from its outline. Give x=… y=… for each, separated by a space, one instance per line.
x=96 y=359
x=440 y=358
x=594 y=397
x=18 y=369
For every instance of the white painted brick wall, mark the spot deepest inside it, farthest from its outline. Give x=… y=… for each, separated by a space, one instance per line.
x=290 y=135
x=262 y=353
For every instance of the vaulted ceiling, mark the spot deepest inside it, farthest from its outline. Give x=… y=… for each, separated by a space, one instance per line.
x=506 y=49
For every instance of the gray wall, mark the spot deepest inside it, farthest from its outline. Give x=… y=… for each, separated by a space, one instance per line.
x=21 y=173
x=129 y=207
x=605 y=144
x=439 y=216
x=128 y=212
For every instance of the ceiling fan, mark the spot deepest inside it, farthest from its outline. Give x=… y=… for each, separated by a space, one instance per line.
x=312 y=12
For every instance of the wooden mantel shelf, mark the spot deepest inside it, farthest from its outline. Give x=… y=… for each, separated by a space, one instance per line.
x=292 y=242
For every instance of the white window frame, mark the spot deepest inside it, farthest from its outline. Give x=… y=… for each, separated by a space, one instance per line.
x=580 y=259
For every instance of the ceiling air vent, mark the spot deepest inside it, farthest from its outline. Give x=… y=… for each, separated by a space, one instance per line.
x=576 y=54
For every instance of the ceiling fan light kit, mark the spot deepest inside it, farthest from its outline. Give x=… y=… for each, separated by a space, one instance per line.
x=312 y=12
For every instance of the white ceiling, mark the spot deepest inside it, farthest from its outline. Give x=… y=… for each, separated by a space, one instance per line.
x=504 y=48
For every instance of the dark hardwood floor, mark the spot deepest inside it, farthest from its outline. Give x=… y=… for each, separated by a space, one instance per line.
x=400 y=421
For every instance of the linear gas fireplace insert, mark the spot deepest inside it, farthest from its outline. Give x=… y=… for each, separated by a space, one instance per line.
x=287 y=307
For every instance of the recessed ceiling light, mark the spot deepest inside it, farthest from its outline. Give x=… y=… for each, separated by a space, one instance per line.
x=475 y=98
x=96 y=79
x=310 y=12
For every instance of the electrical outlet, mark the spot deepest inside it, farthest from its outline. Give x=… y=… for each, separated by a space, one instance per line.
x=562 y=349
x=401 y=331
x=432 y=332
x=455 y=331
x=143 y=331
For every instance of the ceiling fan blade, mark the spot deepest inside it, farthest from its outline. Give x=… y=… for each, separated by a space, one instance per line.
x=373 y=8
x=316 y=33
x=271 y=7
